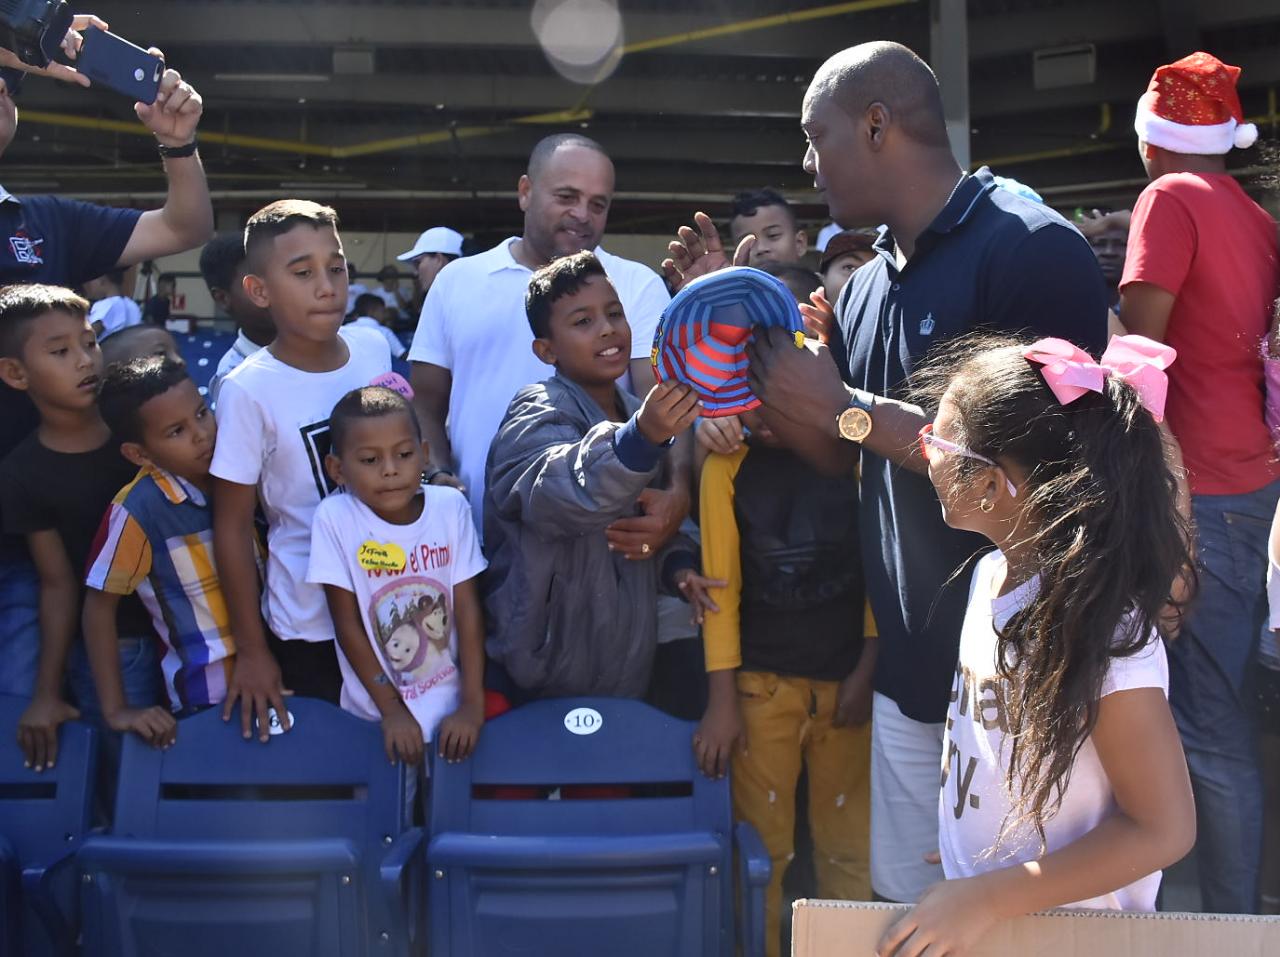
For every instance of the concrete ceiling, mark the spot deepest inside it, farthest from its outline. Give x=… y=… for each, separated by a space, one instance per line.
x=447 y=99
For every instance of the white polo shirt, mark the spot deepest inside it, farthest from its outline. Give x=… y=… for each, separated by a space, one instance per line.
x=473 y=324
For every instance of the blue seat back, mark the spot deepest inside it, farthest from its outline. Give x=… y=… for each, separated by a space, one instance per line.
x=202 y=351
x=637 y=861
x=326 y=777
x=227 y=846
x=43 y=818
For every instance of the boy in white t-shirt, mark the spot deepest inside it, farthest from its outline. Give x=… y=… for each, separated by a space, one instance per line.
x=371 y=313
x=112 y=310
x=399 y=561
x=273 y=424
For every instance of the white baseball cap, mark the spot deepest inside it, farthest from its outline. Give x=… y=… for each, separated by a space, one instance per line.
x=824 y=236
x=437 y=239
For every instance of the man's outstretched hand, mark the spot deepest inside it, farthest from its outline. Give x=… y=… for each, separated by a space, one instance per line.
x=71 y=45
x=699 y=251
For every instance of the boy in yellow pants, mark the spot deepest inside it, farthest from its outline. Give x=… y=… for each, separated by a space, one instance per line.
x=789 y=666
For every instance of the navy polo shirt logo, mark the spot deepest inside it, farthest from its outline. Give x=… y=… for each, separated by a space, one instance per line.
x=926 y=325
x=25 y=249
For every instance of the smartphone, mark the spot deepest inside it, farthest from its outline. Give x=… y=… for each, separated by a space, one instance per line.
x=119 y=65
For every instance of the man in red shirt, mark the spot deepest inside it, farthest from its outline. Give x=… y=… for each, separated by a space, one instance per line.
x=1201 y=273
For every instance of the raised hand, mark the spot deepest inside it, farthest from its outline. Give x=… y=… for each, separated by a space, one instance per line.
x=699 y=251
x=71 y=45
x=819 y=316
x=175 y=114
x=668 y=410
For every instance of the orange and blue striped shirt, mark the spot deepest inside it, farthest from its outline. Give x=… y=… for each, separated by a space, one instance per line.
x=156 y=539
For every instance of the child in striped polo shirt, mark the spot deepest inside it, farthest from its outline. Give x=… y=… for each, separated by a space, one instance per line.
x=157 y=540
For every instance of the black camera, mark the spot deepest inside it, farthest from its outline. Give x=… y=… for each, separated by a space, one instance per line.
x=34 y=29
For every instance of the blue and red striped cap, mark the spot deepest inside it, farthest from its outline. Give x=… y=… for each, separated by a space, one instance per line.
x=704 y=331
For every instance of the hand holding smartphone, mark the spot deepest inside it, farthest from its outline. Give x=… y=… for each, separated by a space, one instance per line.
x=117 y=64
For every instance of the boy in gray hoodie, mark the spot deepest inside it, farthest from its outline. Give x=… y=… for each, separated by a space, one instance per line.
x=566 y=616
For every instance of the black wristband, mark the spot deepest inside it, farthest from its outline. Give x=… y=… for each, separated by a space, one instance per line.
x=430 y=475
x=178 y=152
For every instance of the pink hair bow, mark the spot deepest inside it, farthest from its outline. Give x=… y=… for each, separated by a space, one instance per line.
x=1070 y=372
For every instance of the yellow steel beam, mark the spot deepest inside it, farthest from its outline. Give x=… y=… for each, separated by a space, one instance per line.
x=575 y=115
x=760 y=23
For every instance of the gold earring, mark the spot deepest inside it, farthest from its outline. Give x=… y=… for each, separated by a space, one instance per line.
x=986 y=506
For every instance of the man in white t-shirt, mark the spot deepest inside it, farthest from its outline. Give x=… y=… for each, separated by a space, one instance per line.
x=473 y=349
x=112 y=310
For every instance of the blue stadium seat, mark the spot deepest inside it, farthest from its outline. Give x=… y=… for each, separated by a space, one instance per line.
x=43 y=819
x=230 y=848
x=202 y=351
x=635 y=857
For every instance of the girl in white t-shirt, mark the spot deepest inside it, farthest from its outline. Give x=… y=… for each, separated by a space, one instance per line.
x=1063 y=777
x=398 y=560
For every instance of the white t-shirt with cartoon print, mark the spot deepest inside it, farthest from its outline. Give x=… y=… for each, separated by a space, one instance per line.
x=974 y=801
x=407 y=612
x=273 y=432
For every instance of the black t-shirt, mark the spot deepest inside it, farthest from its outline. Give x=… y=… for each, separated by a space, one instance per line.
x=990 y=260
x=63 y=242
x=18 y=419
x=802 y=594
x=69 y=492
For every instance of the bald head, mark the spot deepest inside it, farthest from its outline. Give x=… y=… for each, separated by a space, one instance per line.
x=548 y=145
x=888 y=73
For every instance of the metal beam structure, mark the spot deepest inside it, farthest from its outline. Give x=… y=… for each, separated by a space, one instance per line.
x=949 y=56
x=457 y=92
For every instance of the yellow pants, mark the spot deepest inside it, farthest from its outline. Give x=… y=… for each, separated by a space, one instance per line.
x=788 y=721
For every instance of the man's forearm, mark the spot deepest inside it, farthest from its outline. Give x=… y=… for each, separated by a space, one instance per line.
x=188 y=212
x=895 y=427
x=436 y=436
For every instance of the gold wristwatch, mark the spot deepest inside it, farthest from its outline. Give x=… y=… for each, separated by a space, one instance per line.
x=854 y=423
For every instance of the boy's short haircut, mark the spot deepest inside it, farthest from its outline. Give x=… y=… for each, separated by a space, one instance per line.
x=370 y=402
x=279 y=217
x=388 y=272
x=801 y=281
x=23 y=303
x=366 y=301
x=167 y=277
x=127 y=385
x=116 y=347
x=749 y=202
x=554 y=281
x=220 y=259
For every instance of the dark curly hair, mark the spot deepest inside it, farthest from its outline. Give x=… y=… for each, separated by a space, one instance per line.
x=1107 y=536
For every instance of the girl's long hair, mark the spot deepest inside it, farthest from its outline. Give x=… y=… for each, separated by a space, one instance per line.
x=1105 y=534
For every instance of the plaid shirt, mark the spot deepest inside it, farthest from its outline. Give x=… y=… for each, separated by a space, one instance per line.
x=156 y=539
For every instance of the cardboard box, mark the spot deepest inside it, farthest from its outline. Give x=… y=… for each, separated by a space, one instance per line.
x=847 y=929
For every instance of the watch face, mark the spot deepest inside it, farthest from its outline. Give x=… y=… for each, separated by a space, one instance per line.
x=855 y=424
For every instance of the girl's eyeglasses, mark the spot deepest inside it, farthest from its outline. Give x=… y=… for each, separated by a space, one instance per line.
x=929 y=440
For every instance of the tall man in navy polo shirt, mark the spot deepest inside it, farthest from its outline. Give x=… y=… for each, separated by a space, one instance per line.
x=957 y=253
x=48 y=239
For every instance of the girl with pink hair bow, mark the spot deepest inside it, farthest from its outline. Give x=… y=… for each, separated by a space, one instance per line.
x=1063 y=781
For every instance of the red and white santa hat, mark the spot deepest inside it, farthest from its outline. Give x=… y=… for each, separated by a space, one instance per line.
x=1192 y=106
